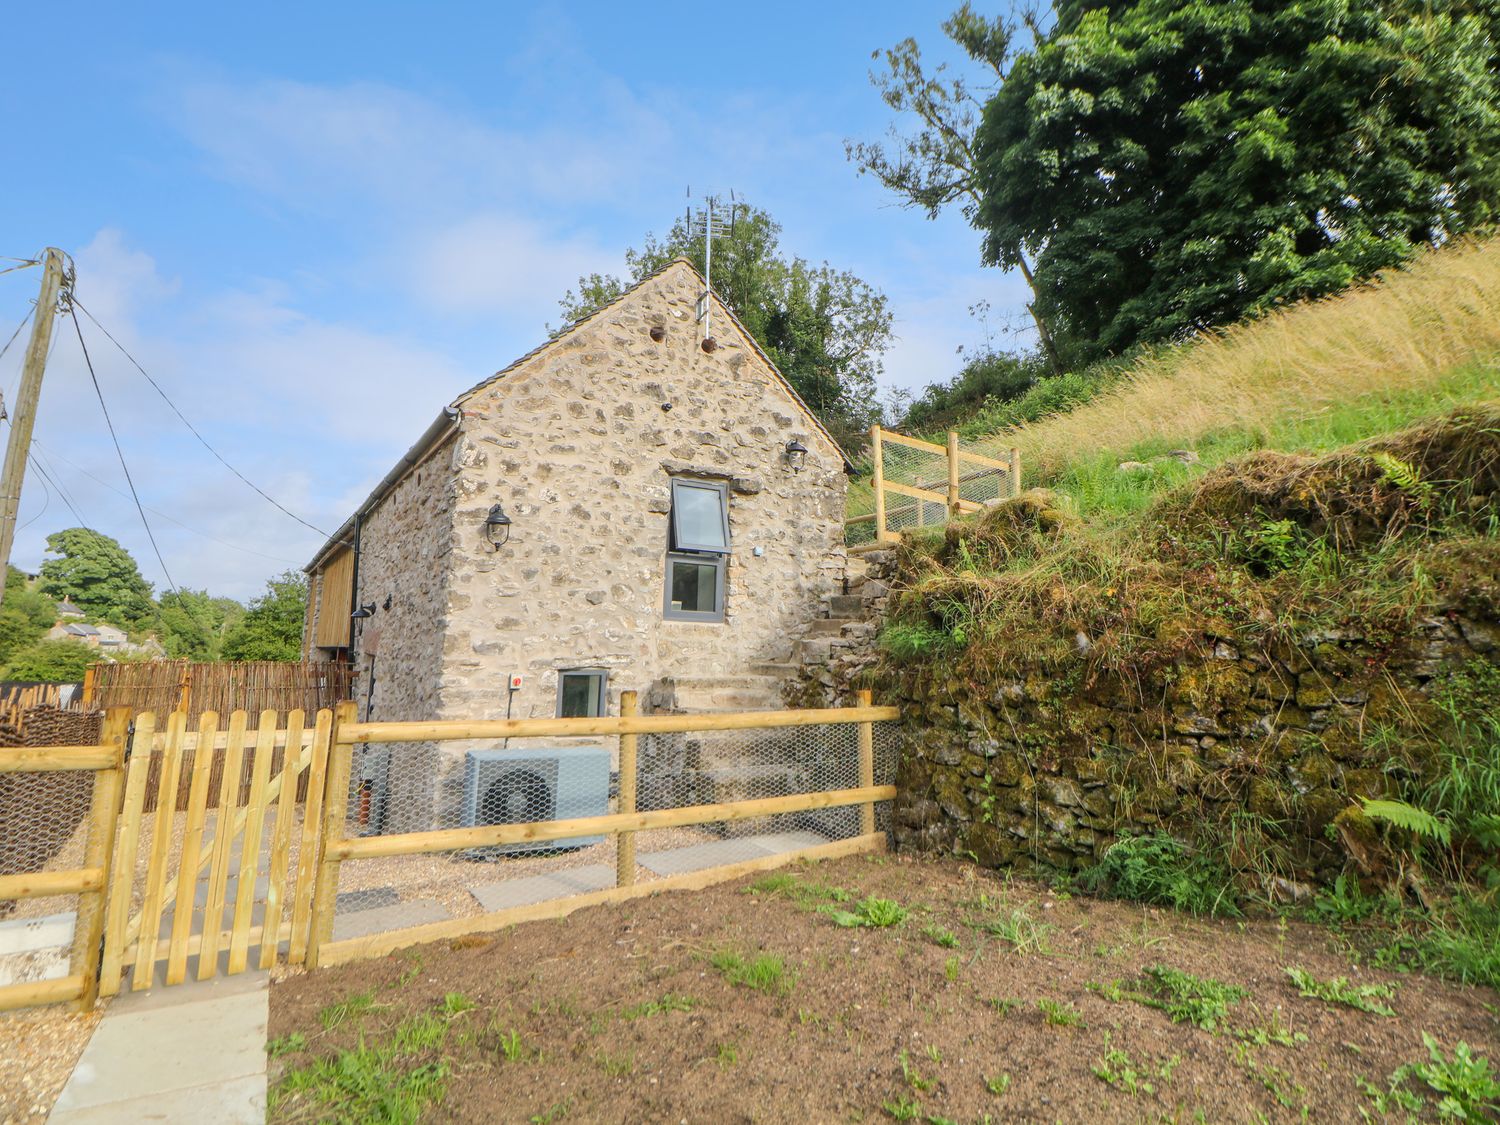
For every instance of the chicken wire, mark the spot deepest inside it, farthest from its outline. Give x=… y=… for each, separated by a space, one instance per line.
x=927 y=469
x=44 y=826
x=403 y=788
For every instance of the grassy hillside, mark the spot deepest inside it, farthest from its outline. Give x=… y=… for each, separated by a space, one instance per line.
x=1312 y=376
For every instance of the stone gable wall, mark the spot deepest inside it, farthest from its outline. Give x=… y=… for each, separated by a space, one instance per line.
x=578 y=447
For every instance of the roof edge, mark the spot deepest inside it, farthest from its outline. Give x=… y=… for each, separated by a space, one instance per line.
x=444 y=426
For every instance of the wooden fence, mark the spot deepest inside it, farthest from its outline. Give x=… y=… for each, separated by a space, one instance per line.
x=106 y=760
x=165 y=686
x=628 y=726
x=150 y=855
x=918 y=483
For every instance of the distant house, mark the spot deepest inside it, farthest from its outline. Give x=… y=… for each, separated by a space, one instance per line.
x=75 y=631
x=66 y=609
x=631 y=505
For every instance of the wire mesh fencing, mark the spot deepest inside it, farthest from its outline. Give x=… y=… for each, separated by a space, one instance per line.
x=398 y=789
x=918 y=484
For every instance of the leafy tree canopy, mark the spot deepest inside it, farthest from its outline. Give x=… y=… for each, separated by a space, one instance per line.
x=987 y=378
x=25 y=616
x=272 y=627
x=1173 y=166
x=98 y=575
x=194 y=625
x=825 y=329
x=53 y=662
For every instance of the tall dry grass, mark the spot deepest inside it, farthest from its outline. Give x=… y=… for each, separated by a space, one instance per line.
x=1395 y=336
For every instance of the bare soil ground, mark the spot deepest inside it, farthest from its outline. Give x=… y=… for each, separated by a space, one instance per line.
x=994 y=1000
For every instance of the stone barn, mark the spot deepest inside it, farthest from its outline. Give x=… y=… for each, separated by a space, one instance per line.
x=631 y=506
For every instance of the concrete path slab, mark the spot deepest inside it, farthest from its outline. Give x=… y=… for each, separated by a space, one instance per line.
x=362 y=923
x=540 y=888
x=190 y=1053
x=700 y=857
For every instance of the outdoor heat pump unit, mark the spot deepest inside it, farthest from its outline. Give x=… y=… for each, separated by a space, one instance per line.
x=519 y=785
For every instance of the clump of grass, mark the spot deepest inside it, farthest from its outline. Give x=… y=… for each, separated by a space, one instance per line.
x=1116 y=1068
x=1059 y=1013
x=997 y=1084
x=671 y=1002
x=912 y=1077
x=766 y=972
x=456 y=1004
x=341 y=1011
x=1161 y=869
x=371 y=1082
x=287 y=1045
x=511 y=1046
x=1020 y=930
x=1364 y=997
x=726 y=1054
x=940 y=936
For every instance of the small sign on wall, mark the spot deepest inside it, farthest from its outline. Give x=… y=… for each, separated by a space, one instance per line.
x=516 y=680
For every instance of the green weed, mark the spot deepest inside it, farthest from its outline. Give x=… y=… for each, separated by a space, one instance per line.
x=456 y=1004
x=616 y=1066
x=911 y=1076
x=419 y=1033
x=876 y=913
x=726 y=1054
x=1161 y=869
x=286 y=1045
x=903 y=1108
x=1023 y=933
x=1200 y=1001
x=1365 y=997
x=1060 y=1013
x=511 y=1046
x=939 y=936
x=338 y=1013
x=671 y=1002
x=365 y=1084
x=997 y=1084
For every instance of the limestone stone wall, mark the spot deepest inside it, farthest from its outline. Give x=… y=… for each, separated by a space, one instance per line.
x=1040 y=774
x=580 y=444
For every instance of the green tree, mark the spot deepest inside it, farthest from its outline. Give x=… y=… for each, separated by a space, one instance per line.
x=935 y=166
x=1172 y=166
x=98 y=575
x=825 y=329
x=194 y=625
x=986 y=378
x=25 y=616
x=272 y=627
x=53 y=662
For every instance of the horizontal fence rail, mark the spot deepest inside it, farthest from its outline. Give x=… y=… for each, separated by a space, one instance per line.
x=918 y=483
x=27 y=852
x=621 y=826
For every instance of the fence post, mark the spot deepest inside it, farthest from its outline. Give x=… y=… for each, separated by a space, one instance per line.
x=878 y=482
x=952 y=474
x=866 y=765
x=335 y=810
x=104 y=816
x=625 y=841
x=88 y=687
x=1015 y=471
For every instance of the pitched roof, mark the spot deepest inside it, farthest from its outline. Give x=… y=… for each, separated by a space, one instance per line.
x=444 y=425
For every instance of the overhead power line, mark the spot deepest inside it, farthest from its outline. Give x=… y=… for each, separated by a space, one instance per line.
x=120 y=453
x=194 y=430
x=16 y=333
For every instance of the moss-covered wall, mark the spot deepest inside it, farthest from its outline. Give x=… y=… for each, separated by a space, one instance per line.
x=1253 y=748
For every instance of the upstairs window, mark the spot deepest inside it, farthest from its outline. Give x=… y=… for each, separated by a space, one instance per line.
x=700 y=517
x=697 y=551
x=582 y=693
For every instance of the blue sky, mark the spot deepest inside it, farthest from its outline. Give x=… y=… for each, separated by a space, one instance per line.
x=314 y=224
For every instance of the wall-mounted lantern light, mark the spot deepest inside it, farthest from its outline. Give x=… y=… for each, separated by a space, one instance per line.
x=796 y=455
x=497 y=527
x=364 y=611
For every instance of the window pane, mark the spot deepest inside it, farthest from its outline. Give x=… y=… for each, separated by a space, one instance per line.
x=694 y=586
x=580 y=695
x=698 y=517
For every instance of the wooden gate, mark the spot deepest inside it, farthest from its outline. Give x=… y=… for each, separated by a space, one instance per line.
x=214 y=855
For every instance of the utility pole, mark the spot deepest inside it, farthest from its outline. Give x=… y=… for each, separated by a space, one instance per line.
x=23 y=421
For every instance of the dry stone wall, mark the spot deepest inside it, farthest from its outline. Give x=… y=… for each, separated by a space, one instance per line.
x=1038 y=774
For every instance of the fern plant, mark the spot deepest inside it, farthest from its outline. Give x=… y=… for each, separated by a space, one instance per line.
x=1419 y=822
x=1404 y=476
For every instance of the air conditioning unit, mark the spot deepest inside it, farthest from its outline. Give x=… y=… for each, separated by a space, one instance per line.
x=519 y=785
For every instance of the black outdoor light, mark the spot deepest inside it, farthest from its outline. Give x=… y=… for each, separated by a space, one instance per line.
x=497 y=527
x=364 y=611
x=796 y=455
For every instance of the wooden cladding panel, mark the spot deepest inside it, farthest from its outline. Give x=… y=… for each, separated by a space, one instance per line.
x=336 y=586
